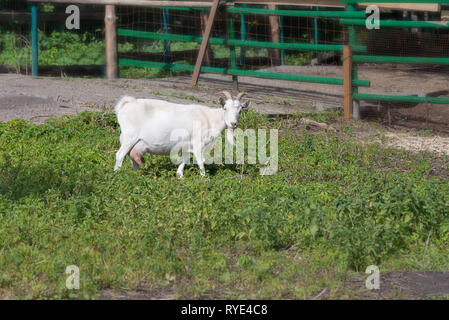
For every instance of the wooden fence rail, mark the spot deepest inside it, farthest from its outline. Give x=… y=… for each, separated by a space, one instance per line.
x=145 y=3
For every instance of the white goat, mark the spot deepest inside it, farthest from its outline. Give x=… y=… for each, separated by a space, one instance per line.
x=149 y=126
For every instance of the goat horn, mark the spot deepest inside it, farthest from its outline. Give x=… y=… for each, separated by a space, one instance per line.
x=241 y=95
x=227 y=94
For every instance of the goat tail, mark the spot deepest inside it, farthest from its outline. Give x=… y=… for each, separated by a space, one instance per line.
x=121 y=104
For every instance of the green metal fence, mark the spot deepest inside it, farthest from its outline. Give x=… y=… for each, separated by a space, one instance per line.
x=396 y=59
x=231 y=42
x=350 y=19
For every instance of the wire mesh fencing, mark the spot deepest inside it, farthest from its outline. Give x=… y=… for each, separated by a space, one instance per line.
x=76 y=51
x=165 y=36
x=408 y=69
x=241 y=42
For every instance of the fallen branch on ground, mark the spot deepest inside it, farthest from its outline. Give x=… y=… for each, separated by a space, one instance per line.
x=312 y=123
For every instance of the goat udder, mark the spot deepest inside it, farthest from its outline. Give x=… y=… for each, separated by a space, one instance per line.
x=136 y=156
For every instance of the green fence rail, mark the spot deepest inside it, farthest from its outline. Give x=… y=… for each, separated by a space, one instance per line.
x=179 y=8
x=394 y=59
x=396 y=1
x=298 y=13
x=235 y=42
x=399 y=24
x=239 y=72
x=397 y=98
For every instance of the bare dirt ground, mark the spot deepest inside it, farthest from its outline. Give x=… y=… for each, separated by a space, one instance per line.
x=25 y=97
x=164 y=294
x=410 y=285
x=36 y=99
x=407 y=137
x=400 y=285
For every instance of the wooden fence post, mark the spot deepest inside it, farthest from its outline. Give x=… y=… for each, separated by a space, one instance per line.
x=347 y=81
x=232 y=51
x=205 y=43
x=355 y=111
x=275 y=54
x=243 y=36
x=111 y=42
x=209 y=54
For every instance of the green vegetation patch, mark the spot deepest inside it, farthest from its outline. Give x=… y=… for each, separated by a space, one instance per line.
x=333 y=208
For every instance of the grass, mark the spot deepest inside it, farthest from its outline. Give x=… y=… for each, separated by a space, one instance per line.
x=58 y=48
x=333 y=208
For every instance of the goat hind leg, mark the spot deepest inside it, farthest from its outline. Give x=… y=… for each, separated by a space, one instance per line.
x=125 y=148
x=180 y=171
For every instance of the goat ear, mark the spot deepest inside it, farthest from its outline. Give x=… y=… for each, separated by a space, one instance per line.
x=222 y=101
x=245 y=104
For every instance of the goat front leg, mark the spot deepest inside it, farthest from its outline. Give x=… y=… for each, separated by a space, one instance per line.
x=125 y=148
x=180 y=171
x=198 y=153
